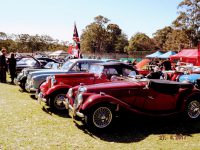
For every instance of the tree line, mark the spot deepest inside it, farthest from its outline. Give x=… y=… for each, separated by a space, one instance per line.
x=102 y=36
x=29 y=43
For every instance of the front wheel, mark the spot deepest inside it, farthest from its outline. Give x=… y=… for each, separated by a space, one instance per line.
x=193 y=110
x=56 y=102
x=100 y=117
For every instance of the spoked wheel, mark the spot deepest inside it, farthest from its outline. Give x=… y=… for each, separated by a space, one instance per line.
x=193 y=110
x=101 y=117
x=56 y=102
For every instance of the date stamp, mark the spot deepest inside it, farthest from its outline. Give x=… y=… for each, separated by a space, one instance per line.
x=172 y=137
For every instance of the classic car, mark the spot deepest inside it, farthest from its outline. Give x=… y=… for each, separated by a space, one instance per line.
x=27 y=62
x=36 y=78
x=22 y=76
x=98 y=104
x=54 y=90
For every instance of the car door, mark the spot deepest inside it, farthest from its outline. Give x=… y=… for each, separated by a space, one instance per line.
x=156 y=101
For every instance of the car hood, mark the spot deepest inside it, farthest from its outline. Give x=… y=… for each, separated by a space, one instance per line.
x=82 y=74
x=47 y=71
x=103 y=87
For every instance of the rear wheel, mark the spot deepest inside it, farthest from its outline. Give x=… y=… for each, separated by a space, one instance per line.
x=56 y=101
x=193 y=110
x=100 y=117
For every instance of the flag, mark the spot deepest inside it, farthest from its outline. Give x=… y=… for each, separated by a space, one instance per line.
x=74 y=49
x=76 y=37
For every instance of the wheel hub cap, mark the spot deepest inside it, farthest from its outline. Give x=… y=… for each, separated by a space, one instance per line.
x=102 y=117
x=194 y=109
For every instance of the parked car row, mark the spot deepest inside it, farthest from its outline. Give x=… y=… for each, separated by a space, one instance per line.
x=96 y=92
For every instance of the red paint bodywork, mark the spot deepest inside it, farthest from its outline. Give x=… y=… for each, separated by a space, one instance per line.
x=139 y=97
x=66 y=81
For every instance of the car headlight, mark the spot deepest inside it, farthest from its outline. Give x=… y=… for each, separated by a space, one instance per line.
x=82 y=89
x=70 y=92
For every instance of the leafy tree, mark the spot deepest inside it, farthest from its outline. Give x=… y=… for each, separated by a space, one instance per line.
x=3 y=36
x=100 y=37
x=140 y=42
x=160 y=36
x=189 y=20
x=177 y=40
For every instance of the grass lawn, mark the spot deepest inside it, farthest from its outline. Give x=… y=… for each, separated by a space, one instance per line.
x=25 y=124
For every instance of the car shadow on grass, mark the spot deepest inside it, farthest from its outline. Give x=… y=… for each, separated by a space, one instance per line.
x=50 y=111
x=135 y=129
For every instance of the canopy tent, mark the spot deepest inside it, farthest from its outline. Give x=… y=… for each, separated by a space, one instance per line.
x=167 y=55
x=188 y=56
x=154 y=55
x=142 y=63
x=59 y=53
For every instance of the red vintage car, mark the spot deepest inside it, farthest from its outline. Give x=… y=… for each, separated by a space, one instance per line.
x=53 y=91
x=98 y=104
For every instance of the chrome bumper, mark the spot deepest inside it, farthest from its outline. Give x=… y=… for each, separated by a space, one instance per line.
x=29 y=88
x=72 y=110
x=41 y=98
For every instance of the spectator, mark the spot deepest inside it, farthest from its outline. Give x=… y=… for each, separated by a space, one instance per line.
x=155 y=74
x=3 y=66
x=167 y=64
x=12 y=67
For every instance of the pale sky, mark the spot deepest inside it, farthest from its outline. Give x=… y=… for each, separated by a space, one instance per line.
x=56 y=17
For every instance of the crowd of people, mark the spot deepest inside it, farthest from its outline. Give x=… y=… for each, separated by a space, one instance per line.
x=7 y=64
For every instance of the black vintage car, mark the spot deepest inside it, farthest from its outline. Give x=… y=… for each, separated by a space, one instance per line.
x=31 y=62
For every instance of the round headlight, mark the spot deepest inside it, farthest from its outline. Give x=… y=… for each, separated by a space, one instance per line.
x=70 y=92
x=82 y=89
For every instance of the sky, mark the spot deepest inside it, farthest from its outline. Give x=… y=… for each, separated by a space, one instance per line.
x=56 y=17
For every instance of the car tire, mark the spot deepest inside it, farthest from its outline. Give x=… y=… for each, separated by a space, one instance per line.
x=22 y=84
x=100 y=117
x=192 y=111
x=56 y=101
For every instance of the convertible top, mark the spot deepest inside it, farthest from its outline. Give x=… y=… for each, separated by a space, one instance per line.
x=168 y=87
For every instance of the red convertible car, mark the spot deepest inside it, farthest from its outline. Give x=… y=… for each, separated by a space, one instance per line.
x=97 y=104
x=53 y=91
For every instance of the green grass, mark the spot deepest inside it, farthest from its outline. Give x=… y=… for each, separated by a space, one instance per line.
x=25 y=124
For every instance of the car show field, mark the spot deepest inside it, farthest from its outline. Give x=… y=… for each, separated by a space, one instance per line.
x=25 y=124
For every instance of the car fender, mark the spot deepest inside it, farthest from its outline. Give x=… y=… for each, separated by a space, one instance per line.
x=101 y=98
x=55 y=88
x=38 y=80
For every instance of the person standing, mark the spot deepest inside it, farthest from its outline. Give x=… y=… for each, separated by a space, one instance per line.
x=3 y=66
x=167 y=64
x=12 y=67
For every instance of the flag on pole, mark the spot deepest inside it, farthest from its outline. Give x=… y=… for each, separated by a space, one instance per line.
x=76 y=37
x=75 y=48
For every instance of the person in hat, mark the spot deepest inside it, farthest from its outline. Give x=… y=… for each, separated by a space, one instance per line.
x=3 y=66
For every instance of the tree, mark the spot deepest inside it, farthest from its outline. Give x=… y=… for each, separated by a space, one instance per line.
x=140 y=42
x=189 y=20
x=100 y=37
x=177 y=40
x=160 y=36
